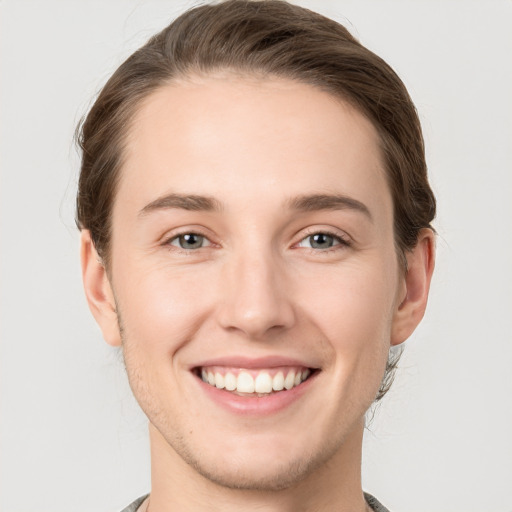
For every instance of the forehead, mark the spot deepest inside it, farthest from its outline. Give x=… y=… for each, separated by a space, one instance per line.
x=244 y=138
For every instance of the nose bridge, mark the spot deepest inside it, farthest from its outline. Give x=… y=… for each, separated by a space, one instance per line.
x=255 y=298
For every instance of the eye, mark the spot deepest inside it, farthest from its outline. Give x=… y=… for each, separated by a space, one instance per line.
x=189 y=241
x=321 y=241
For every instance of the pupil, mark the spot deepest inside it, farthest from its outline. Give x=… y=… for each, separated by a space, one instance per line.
x=191 y=241
x=321 y=241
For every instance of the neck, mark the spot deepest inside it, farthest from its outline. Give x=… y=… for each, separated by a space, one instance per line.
x=336 y=485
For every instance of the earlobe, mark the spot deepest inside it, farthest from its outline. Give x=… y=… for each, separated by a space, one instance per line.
x=420 y=266
x=98 y=290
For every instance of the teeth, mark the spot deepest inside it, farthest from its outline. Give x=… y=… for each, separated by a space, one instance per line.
x=245 y=383
x=230 y=382
x=219 y=381
x=262 y=384
x=278 y=382
x=290 y=380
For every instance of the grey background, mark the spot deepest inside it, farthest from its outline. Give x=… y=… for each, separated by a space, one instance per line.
x=72 y=438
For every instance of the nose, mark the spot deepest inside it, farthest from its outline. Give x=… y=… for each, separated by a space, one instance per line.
x=256 y=298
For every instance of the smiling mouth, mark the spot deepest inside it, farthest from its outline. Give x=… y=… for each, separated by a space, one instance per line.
x=254 y=383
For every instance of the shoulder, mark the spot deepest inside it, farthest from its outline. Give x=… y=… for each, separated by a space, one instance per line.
x=374 y=503
x=132 y=507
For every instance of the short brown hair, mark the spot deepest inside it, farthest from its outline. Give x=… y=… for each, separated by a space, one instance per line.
x=270 y=38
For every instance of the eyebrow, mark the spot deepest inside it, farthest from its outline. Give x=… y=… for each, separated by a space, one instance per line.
x=303 y=203
x=314 y=202
x=183 y=202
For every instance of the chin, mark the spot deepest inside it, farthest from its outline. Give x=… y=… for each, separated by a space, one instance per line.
x=269 y=466
x=256 y=477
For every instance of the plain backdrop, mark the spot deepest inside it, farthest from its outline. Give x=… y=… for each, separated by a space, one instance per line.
x=72 y=437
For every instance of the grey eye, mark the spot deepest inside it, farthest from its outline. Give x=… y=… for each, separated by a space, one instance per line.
x=190 y=241
x=321 y=241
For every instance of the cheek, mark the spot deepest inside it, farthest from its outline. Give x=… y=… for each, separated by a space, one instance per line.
x=354 y=312
x=161 y=308
x=160 y=313
x=354 y=302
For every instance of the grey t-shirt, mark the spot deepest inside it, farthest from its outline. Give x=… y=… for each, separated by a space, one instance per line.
x=373 y=502
x=132 y=507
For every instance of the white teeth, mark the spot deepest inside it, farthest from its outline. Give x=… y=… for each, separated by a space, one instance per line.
x=219 y=381
x=245 y=383
x=263 y=383
x=290 y=380
x=278 y=382
x=230 y=382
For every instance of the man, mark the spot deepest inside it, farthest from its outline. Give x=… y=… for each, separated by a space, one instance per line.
x=255 y=219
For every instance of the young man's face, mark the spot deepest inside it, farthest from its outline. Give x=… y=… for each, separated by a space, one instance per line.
x=252 y=246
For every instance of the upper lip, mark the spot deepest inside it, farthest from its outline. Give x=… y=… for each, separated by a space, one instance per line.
x=252 y=363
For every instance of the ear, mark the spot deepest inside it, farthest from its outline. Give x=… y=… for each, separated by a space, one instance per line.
x=416 y=285
x=98 y=290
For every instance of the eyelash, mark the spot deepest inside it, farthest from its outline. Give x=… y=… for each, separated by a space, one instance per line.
x=343 y=242
x=181 y=250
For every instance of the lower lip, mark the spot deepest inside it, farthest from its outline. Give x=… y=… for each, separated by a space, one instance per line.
x=256 y=405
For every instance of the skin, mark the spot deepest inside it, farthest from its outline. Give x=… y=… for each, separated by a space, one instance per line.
x=256 y=288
